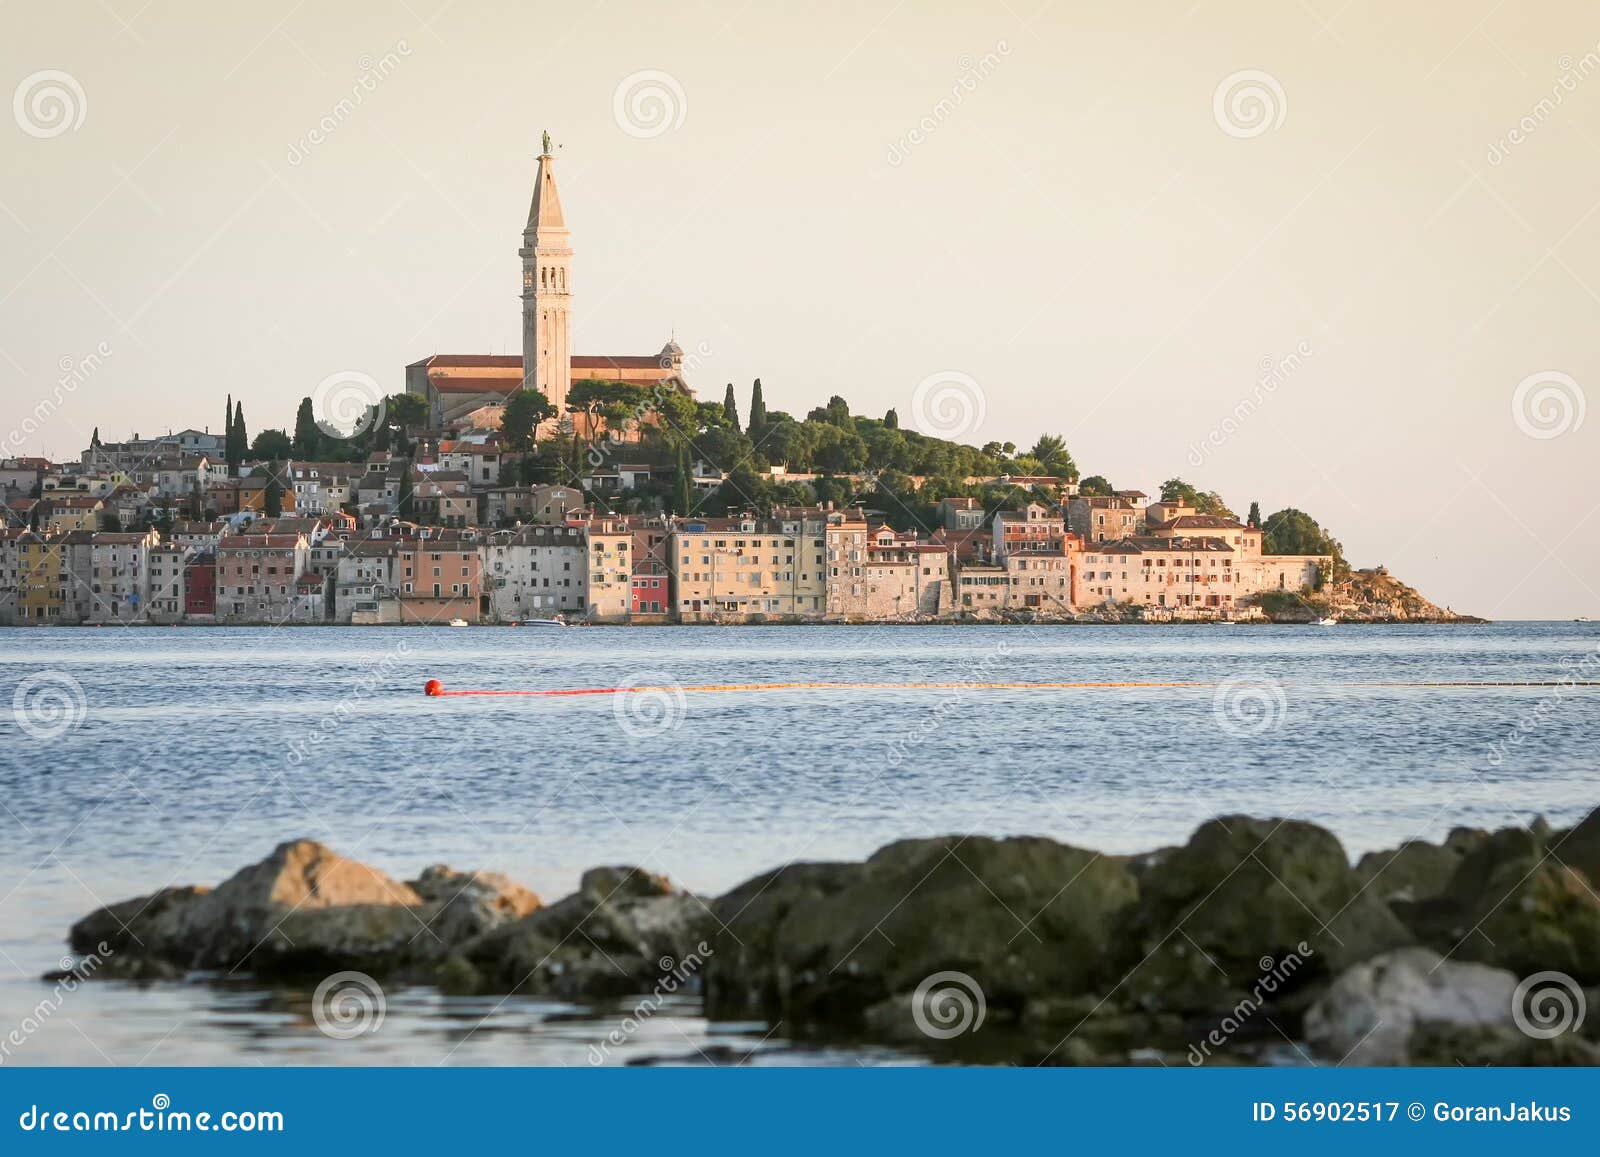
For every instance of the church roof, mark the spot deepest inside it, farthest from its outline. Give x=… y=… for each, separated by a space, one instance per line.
x=545 y=212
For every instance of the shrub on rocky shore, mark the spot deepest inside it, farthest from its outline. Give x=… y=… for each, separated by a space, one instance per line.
x=1255 y=941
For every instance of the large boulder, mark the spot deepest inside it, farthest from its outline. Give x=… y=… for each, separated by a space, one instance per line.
x=1513 y=902
x=1244 y=901
x=1579 y=847
x=1417 y=870
x=624 y=931
x=463 y=905
x=823 y=944
x=225 y=927
x=147 y=926
x=1370 y=1012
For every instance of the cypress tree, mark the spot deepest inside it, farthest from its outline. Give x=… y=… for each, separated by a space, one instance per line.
x=274 y=496
x=891 y=421
x=758 y=411
x=730 y=407
x=1255 y=515
x=685 y=500
x=307 y=434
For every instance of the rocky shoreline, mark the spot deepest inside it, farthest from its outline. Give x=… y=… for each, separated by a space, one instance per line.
x=1255 y=942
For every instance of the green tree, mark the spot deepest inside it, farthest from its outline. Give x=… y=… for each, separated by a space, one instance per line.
x=307 y=434
x=1051 y=452
x=407 y=498
x=273 y=500
x=1095 y=486
x=525 y=409
x=758 y=413
x=271 y=445
x=891 y=420
x=408 y=411
x=685 y=494
x=1292 y=531
x=238 y=443
x=1255 y=515
x=839 y=451
x=730 y=407
x=1177 y=490
x=227 y=432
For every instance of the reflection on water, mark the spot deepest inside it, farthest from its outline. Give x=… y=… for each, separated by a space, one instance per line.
x=201 y=748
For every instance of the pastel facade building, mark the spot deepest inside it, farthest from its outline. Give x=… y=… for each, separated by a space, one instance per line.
x=256 y=575
x=537 y=571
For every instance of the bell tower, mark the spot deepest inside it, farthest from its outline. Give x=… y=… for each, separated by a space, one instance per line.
x=546 y=290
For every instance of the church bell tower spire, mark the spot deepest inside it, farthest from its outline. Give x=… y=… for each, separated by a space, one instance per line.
x=546 y=290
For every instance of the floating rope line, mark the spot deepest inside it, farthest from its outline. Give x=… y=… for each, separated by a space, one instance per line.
x=436 y=689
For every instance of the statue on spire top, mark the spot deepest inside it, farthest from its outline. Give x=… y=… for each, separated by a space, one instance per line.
x=547 y=142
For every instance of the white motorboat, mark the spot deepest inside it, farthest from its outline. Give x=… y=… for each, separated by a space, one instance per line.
x=459 y=623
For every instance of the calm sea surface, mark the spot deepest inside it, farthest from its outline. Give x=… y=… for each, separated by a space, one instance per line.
x=196 y=750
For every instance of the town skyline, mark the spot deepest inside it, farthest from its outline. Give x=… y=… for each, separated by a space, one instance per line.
x=1085 y=280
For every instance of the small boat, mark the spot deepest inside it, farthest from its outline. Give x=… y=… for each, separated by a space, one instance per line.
x=555 y=622
x=1328 y=622
x=1583 y=619
x=458 y=622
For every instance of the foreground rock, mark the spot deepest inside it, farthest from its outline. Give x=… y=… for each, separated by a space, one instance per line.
x=1254 y=939
x=825 y=943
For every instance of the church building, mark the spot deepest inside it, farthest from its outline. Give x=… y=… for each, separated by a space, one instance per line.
x=457 y=385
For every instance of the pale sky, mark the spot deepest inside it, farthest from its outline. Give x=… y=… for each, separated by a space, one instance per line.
x=1102 y=243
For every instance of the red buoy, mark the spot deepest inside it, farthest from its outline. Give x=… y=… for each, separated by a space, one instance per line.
x=432 y=687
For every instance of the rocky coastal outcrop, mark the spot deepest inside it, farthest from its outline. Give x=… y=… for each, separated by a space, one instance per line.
x=1257 y=940
x=1361 y=596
